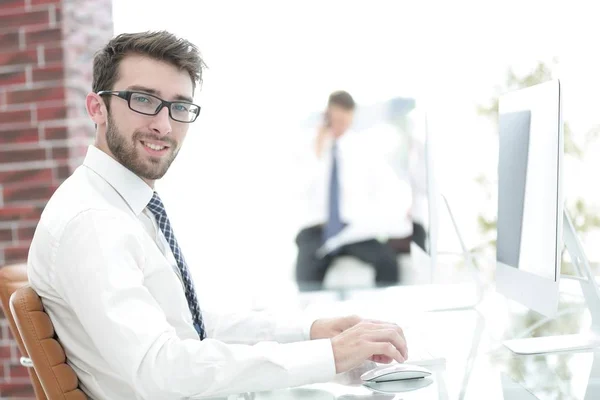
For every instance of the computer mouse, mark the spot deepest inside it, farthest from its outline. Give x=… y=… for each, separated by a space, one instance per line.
x=395 y=372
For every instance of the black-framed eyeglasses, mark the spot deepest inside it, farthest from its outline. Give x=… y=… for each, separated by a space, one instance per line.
x=147 y=104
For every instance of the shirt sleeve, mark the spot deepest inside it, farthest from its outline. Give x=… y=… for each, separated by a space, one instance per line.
x=253 y=327
x=99 y=273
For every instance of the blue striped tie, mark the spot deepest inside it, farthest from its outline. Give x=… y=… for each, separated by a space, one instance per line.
x=158 y=209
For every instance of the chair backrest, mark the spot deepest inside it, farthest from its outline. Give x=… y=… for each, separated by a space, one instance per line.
x=57 y=377
x=13 y=277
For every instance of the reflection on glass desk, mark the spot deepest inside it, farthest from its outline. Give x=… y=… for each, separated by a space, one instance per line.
x=477 y=365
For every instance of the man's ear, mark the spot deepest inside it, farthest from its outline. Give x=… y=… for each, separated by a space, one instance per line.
x=96 y=108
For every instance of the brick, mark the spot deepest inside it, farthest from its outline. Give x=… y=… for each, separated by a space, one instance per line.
x=18 y=57
x=6 y=235
x=51 y=113
x=58 y=14
x=53 y=55
x=63 y=172
x=14 y=195
x=16 y=125
x=38 y=175
x=14 y=136
x=5 y=350
x=12 y=156
x=56 y=133
x=9 y=41
x=35 y=95
x=16 y=391
x=45 y=2
x=12 y=4
x=18 y=371
x=19 y=391
x=20 y=19
x=48 y=73
x=9 y=117
x=20 y=213
x=25 y=234
x=12 y=78
x=16 y=253
x=36 y=213
x=43 y=36
x=60 y=153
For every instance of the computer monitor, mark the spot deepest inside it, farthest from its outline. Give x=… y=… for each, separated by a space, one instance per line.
x=427 y=198
x=531 y=217
x=426 y=192
x=423 y=247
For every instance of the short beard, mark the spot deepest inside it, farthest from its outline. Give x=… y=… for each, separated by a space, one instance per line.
x=125 y=152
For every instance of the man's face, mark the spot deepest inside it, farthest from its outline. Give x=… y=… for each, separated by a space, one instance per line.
x=146 y=145
x=340 y=118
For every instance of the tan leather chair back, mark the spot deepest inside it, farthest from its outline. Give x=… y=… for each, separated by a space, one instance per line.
x=13 y=277
x=57 y=377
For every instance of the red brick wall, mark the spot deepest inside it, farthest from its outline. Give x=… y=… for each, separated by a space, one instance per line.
x=46 y=49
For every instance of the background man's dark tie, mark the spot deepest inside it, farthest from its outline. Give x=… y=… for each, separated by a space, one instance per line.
x=334 y=223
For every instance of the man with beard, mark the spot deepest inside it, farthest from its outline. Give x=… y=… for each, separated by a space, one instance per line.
x=106 y=263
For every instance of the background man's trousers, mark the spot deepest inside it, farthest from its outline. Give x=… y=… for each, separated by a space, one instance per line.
x=310 y=269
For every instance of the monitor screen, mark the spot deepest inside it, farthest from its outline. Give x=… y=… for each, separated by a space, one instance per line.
x=529 y=198
x=512 y=172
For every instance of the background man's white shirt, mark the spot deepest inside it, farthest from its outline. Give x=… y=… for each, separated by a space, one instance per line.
x=374 y=201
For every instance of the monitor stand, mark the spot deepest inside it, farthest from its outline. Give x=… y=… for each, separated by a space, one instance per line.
x=591 y=293
x=470 y=263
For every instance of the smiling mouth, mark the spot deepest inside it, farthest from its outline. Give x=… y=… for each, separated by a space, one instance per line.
x=155 y=147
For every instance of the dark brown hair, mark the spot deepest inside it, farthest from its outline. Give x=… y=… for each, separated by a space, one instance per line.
x=341 y=99
x=161 y=45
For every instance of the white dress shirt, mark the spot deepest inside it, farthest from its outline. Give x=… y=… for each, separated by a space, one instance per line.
x=111 y=286
x=374 y=201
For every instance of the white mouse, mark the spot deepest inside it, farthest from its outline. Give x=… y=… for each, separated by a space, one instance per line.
x=395 y=372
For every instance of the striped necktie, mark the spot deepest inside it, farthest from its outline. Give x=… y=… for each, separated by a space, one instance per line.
x=158 y=209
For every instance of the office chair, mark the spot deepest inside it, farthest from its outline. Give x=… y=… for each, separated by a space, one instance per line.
x=13 y=277
x=57 y=377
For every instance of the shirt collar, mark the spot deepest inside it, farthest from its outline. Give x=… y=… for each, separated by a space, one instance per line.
x=343 y=140
x=348 y=135
x=131 y=187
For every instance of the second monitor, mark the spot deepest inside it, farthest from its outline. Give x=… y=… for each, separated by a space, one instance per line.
x=531 y=217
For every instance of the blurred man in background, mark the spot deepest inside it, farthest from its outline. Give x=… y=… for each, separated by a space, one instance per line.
x=349 y=199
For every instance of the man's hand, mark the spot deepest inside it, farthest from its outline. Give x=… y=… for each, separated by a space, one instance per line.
x=323 y=135
x=330 y=327
x=372 y=340
x=368 y=340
